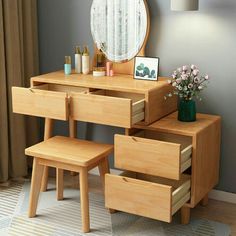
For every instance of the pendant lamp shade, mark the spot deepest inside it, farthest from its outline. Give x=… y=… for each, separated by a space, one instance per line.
x=184 y=5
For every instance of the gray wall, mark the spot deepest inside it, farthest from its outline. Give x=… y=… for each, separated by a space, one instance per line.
x=206 y=38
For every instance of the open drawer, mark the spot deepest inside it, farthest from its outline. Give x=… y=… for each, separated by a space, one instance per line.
x=147 y=196
x=46 y=100
x=114 y=108
x=153 y=153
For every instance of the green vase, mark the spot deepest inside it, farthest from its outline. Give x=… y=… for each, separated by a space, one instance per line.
x=187 y=110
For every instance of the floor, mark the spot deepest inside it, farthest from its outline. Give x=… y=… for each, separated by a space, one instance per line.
x=216 y=210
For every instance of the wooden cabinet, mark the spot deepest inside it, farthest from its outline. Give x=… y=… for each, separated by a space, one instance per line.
x=186 y=154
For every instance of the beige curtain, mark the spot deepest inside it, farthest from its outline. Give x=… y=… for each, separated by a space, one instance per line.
x=18 y=62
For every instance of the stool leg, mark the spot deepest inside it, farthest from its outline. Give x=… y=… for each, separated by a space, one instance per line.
x=35 y=187
x=104 y=169
x=60 y=184
x=185 y=215
x=84 y=198
x=47 y=134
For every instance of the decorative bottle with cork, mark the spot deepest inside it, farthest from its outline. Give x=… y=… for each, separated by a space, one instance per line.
x=78 y=60
x=67 y=65
x=85 y=61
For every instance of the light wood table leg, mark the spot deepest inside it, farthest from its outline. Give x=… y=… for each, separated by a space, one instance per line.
x=73 y=134
x=35 y=187
x=84 y=197
x=204 y=201
x=103 y=170
x=60 y=184
x=185 y=215
x=47 y=134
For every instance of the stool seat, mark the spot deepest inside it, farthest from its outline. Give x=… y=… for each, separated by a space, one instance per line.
x=70 y=151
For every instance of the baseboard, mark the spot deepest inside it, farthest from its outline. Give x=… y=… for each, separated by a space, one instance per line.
x=214 y=194
x=222 y=196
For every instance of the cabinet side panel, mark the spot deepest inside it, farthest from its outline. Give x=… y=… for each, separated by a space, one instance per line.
x=157 y=106
x=205 y=161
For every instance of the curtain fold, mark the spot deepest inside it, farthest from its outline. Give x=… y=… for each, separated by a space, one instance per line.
x=18 y=62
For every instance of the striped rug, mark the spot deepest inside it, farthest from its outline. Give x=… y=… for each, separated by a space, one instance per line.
x=63 y=218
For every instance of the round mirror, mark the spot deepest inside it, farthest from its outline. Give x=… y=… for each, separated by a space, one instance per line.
x=119 y=27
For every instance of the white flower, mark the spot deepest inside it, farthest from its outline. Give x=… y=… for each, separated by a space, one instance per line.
x=180 y=88
x=193 y=67
x=175 y=72
x=207 y=77
x=185 y=88
x=200 y=87
x=179 y=80
x=185 y=68
x=180 y=69
x=190 y=86
x=196 y=80
x=174 y=76
x=174 y=84
x=195 y=72
x=169 y=81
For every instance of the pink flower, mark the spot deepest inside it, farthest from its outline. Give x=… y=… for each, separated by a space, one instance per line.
x=190 y=86
x=207 y=77
x=179 y=80
x=196 y=80
x=193 y=67
x=184 y=77
x=200 y=87
x=174 y=76
x=185 y=68
x=180 y=69
x=195 y=72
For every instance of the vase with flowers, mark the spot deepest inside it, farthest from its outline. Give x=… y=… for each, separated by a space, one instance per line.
x=187 y=83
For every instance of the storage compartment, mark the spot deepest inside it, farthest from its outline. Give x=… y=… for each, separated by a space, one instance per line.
x=149 y=152
x=108 y=107
x=44 y=100
x=145 y=195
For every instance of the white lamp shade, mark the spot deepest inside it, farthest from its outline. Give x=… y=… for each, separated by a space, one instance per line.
x=184 y=5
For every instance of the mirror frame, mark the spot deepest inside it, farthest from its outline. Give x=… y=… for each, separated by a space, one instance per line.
x=127 y=67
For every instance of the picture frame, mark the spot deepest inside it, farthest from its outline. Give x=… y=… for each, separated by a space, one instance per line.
x=146 y=68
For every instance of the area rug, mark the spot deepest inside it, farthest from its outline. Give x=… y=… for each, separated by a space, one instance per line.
x=63 y=218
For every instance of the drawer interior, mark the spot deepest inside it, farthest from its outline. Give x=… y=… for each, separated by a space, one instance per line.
x=184 y=141
x=60 y=88
x=146 y=195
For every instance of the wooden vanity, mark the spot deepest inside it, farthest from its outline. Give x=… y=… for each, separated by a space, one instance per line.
x=168 y=165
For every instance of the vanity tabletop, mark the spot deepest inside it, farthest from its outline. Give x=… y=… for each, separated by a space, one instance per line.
x=124 y=83
x=170 y=124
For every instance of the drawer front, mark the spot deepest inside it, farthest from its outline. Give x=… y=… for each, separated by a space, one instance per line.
x=148 y=156
x=102 y=109
x=40 y=103
x=138 y=197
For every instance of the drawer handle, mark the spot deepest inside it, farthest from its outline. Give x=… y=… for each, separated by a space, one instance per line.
x=125 y=180
x=134 y=139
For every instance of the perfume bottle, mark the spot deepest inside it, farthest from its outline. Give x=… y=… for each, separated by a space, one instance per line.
x=67 y=66
x=78 y=60
x=85 y=61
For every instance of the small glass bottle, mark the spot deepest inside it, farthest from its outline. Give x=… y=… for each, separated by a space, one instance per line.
x=85 y=61
x=78 y=60
x=67 y=66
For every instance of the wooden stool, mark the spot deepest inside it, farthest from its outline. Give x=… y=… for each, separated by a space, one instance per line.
x=68 y=154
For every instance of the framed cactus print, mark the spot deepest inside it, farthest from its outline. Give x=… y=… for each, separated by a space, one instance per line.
x=146 y=68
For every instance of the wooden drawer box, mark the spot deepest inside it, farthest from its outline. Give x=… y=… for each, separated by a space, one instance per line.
x=147 y=196
x=45 y=100
x=153 y=153
x=106 y=107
